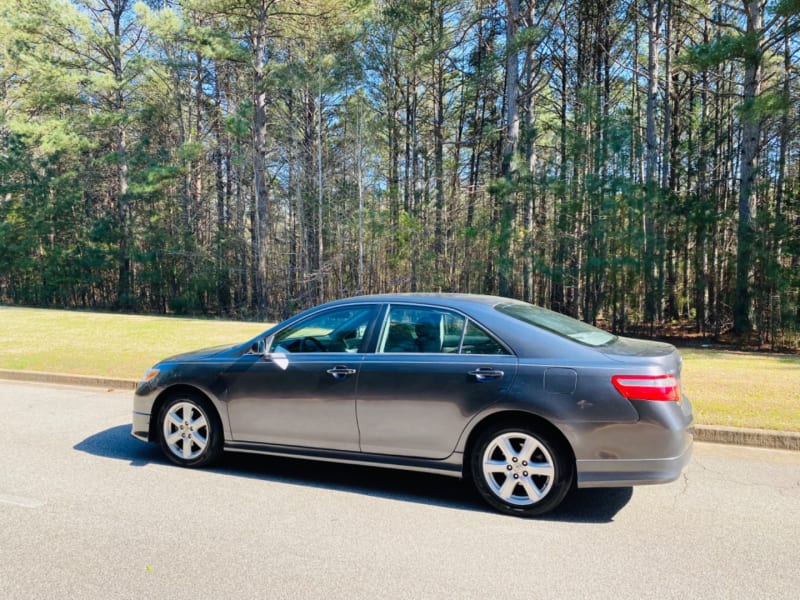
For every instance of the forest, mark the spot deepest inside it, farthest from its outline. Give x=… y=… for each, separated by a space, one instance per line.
x=633 y=163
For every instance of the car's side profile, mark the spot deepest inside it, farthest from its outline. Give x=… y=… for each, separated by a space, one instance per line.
x=525 y=402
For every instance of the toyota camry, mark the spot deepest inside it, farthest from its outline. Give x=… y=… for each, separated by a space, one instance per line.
x=525 y=402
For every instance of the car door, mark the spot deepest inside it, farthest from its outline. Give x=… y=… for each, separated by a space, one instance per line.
x=300 y=392
x=432 y=370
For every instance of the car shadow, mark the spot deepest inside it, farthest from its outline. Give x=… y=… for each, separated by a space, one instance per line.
x=580 y=506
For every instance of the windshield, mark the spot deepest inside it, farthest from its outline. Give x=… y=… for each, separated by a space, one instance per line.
x=557 y=323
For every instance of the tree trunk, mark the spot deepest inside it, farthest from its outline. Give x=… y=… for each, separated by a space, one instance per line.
x=651 y=163
x=751 y=134
x=125 y=282
x=438 y=73
x=507 y=201
x=260 y=211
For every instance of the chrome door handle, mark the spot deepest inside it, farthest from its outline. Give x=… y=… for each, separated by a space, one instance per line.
x=341 y=372
x=486 y=374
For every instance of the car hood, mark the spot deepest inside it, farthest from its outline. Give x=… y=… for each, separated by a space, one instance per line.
x=197 y=355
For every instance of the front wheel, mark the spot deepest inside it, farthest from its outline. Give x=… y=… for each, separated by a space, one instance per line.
x=521 y=471
x=191 y=435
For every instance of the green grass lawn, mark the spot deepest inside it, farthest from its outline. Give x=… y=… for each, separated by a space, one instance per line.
x=737 y=389
x=103 y=344
x=743 y=389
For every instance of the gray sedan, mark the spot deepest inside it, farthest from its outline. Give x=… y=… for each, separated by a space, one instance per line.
x=525 y=402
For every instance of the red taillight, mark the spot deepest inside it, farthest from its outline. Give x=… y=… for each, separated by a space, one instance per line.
x=647 y=387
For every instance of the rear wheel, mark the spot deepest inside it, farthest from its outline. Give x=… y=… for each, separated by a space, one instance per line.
x=191 y=434
x=522 y=471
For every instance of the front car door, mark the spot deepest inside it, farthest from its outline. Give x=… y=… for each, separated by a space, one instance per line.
x=300 y=392
x=433 y=369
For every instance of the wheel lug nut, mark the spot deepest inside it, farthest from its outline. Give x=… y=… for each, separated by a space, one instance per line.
x=524 y=463
x=525 y=473
x=509 y=467
x=516 y=476
x=514 y=459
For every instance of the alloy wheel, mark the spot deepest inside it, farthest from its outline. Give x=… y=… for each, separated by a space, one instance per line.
x=518 y=468
x=186 y=430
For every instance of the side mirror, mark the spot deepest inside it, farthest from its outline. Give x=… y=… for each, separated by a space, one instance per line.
x=258 y=347
x=278 y=356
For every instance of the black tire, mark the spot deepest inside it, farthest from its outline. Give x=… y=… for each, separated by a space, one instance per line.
x=521 y=470
x=190 y=432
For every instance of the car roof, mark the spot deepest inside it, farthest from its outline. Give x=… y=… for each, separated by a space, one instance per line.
x=436 y=298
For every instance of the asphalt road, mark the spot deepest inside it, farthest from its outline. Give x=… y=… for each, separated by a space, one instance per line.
x=86 y=511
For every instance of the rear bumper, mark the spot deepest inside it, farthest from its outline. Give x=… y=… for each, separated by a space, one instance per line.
x=596 y=473
x=656 y=449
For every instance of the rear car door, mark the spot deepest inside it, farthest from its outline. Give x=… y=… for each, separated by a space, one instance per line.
x=432 y=371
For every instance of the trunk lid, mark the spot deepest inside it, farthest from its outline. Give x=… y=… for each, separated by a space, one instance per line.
x=645 y=353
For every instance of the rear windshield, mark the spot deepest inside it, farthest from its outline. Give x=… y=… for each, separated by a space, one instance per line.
x=557 y=323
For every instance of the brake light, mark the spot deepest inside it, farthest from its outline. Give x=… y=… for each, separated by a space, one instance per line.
x=648 y=387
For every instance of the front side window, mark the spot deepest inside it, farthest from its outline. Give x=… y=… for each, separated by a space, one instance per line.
x=337 y=330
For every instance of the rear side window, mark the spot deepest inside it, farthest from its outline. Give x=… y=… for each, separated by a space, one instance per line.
x=421 y=329
x=429 y=330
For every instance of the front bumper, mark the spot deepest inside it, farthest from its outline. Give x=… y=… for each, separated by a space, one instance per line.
x=143 y=401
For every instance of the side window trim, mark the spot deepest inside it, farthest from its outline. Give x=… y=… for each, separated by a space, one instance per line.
x=369 y=345
x=383 y=331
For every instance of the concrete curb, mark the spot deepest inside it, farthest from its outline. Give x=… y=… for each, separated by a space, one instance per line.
x=63 y=379
x=762 y=438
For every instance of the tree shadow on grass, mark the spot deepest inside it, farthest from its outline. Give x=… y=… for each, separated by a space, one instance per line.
x=580 y=506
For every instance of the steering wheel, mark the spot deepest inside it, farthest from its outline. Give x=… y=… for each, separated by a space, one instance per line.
x=312 y=343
